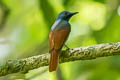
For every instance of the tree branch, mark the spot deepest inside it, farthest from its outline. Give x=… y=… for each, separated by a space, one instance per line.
x=82 y=53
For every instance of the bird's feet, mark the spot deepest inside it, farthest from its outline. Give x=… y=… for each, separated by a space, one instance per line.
x=67 y=48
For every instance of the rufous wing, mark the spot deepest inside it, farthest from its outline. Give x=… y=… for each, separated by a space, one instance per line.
x=60 y=36
x=51 y=41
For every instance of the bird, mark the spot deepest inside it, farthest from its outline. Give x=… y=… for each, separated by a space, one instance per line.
x=58 y=35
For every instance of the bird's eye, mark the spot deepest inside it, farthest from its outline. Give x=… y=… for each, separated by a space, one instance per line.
x=65 y=13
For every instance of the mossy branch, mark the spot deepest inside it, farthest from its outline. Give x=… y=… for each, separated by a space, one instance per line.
x=82 y=53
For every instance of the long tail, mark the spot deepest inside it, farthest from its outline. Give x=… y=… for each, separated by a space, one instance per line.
x=54 y=59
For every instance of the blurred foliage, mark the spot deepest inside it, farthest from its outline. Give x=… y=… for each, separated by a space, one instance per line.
x=26 y=30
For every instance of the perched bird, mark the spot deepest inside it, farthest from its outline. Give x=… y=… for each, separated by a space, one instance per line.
x=58 y=36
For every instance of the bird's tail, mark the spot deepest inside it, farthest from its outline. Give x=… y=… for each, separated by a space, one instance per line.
x=54 y=60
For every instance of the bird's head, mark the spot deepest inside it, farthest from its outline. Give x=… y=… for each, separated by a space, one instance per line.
x=65 y=15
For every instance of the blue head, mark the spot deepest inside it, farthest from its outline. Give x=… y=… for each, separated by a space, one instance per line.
x=65 y=15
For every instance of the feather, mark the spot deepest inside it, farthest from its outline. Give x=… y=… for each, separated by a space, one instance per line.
x=54 y=59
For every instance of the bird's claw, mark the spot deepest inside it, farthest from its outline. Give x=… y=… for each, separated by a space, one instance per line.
x=67 y=48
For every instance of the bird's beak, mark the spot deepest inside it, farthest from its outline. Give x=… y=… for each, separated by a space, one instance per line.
x=73 y=13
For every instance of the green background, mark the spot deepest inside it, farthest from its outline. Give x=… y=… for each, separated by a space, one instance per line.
x=27 y=25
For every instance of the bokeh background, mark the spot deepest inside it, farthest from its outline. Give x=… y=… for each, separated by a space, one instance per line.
x=25 y=25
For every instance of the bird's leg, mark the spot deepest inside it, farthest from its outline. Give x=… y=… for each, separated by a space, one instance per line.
x=67 y=48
